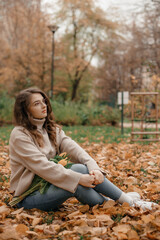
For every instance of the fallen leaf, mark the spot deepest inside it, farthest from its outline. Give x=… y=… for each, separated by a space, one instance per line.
x=122 y=228
x=84 y=208
x=72 y=215
x=21 y=229
x=109 y=204
x=17 y=211
x=122 y=236
x=147 y=218
x=32 y=233
x=93 y=231
x=4 y=209
x=132 y=235
x=9 y=232
x=36 y=221
x=105 y=218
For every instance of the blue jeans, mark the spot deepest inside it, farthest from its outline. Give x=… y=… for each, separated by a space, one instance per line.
x=55 y=196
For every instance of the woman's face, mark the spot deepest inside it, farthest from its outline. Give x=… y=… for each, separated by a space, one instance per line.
x=37 y=106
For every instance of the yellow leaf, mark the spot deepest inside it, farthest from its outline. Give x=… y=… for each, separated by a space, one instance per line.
x=63 y=154
x=63 y=162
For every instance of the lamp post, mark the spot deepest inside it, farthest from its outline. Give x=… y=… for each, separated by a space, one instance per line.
x=53 y=29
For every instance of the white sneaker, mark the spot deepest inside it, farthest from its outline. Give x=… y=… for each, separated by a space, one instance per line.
x=134 y=195
x=143 y=204
x=137 y=202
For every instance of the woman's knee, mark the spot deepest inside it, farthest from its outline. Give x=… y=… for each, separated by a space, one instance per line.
x=88 y=196
x=79 y=168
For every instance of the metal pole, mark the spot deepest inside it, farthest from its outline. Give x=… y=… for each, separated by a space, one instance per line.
x=122 y=112
x=52 y=66
x=53 y=29
x=132 y=115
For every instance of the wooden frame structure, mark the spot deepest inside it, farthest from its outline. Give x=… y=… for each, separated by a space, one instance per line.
x=143 y=119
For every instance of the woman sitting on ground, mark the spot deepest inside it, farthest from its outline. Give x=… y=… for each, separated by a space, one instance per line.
x=36 y=139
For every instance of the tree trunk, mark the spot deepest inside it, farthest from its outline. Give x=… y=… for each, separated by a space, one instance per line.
x=74 y=88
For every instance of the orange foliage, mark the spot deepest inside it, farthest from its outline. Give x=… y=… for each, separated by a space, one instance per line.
x=132 y=167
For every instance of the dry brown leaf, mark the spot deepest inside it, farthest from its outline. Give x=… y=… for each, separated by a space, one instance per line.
x=96 y=238
x=109 y=204
x=73 y=214
x=36 y=221
x=4 y=210
x=25 y=215
x=84 y=208
x=132 y=235
x=122 y=236
x=130 y=180
x=131 y=167
x=122 y=228
x=148 y=218
x=17 y=211
x=21 y=229
x=105 y=218
x=154 y=236
x=50 y=229
x=32 y=233
x=93 y=231
x=9 y=232
x=39 y=228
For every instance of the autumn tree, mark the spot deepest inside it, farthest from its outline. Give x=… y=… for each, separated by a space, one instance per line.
x=85 y=27
x=132 y=60
x=25 y=58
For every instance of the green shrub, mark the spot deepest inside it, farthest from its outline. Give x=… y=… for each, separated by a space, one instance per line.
x=6 y=107
x=67 y=113
x=71 y=113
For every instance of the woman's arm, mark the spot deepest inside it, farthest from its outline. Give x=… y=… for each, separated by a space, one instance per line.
x=24 y=152
x=76 y=153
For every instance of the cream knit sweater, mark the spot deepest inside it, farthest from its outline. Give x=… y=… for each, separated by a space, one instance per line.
x=28 y=159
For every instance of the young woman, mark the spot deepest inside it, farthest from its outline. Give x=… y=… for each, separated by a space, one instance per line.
x=35 y=139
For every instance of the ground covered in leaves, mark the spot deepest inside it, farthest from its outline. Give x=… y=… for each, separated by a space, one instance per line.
x=132 y=167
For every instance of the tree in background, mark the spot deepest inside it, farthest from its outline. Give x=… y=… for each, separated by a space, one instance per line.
x=86 y=27
x=25 y=59
x=131 y=61
x=125 y=55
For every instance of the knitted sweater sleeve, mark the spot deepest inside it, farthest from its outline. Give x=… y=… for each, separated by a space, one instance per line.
x=26 y=158
x=75 y=152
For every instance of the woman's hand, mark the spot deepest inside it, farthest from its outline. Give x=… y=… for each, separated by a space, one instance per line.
x=87 y=180
x=99 y=177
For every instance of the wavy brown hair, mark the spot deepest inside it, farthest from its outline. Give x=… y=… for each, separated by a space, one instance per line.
x=22 y=116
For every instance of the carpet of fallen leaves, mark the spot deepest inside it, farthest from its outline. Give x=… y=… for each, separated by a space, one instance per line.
x=132 y=167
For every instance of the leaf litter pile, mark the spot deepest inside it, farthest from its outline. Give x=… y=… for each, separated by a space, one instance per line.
x=132 y=167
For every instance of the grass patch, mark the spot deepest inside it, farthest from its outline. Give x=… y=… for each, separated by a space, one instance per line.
x=82 y=133
x=96 y=133
x=5 y=133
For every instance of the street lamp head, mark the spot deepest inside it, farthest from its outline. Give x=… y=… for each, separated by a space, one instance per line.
x=53 y=28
